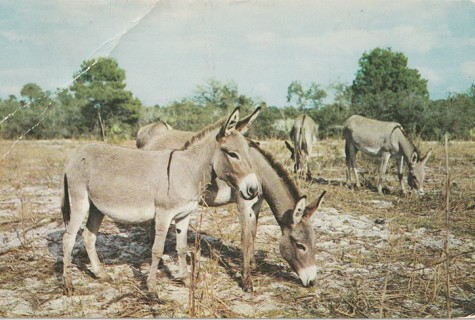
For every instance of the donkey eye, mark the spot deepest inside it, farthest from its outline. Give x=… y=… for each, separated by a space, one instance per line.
x=233 y=155
x=300 y=246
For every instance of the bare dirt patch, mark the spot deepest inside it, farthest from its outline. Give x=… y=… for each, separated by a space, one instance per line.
x=377 y=255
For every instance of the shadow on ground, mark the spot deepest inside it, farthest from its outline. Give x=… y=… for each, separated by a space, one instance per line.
x=132 y=246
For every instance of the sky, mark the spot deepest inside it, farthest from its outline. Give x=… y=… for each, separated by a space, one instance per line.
x=169 y=48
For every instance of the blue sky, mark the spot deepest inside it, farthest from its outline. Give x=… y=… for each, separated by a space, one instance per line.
x=168 y=48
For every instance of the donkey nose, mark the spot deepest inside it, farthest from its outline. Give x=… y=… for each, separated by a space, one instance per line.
x=249 y=187
x=308 y=276
x=252 y=191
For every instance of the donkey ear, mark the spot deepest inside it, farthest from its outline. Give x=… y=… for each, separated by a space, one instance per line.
x=312 y=208
x=424 y=160
x=254 y=143
x=245 y=123
x=299 y=210
x=414 y=158
x=231 y=123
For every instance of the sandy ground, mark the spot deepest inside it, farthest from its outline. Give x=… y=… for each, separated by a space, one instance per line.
x=376 y=255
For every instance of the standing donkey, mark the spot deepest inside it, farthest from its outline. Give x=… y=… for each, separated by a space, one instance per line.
x=303 y=135
x=383 y=139
x=290 y=209
x=132 y=186
x=148 y=131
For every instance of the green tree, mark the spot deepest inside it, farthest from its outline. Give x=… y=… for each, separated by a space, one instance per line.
x=32 y=92
x=312 y=97
x=36 y=107
x=330 y=117
x=454 y=115
x=222 y=98
x=385 y=88
x=383 y=70
x=210 y=102
x=105 y=104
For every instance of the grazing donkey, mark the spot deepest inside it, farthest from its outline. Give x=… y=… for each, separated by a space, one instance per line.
x=383 y=139
x=289 y=208
x=132 y=186
x=148 y=131
x=303 y=135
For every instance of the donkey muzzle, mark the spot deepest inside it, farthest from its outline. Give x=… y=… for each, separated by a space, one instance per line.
x=308 y=276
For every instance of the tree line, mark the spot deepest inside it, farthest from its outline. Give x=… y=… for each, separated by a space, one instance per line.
x=98 y=105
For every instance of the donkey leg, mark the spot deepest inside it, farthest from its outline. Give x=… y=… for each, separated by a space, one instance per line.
x=89 y=235
x=247 y=219
x=256 y=208
x=161 y=229
x=307 y=171
x=79 y=208
x=382 y=170
x=400 y=168
x=181 y=227
x=350 y=152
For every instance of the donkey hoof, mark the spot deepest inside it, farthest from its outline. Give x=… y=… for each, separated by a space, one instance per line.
x=67 y=289
x=247 y=286
x=67 y=285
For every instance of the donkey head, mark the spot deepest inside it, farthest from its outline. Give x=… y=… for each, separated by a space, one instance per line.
x=298 y=239
x=231 y=161
x=416 y=175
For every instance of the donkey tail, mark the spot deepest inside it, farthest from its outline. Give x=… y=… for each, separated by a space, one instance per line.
x=301 y=133
x=65 y=205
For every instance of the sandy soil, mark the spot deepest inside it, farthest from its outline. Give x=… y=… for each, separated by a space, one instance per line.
x=376 y=255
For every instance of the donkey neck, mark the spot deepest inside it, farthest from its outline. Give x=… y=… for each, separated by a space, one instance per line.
x=278 y=194
x=406 y=146
x=193 y=166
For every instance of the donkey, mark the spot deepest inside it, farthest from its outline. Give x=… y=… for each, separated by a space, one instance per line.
x=303 y=135
x=132 y=186
x=146 y=132
x=290 y=209
x=383 y=139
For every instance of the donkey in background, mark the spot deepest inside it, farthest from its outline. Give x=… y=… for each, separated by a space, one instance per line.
x=132 y=186
x=383 y=139
x=303 y=135
x=147 y=132
x=290 y=209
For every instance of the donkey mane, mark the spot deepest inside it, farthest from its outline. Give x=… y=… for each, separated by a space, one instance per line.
x=279 y=168
x=408 y=137
x=197 y=137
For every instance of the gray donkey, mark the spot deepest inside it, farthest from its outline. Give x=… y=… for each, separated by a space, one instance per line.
x=383 y=139
x=303 y=135
x=132 y=186
x=290 y=209
x=148 y=131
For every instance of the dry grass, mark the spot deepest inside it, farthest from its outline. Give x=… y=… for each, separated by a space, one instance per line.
x=384 y=257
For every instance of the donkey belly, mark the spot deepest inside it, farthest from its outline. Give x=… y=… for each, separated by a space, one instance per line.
x=371 y=150
x=126 y=213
